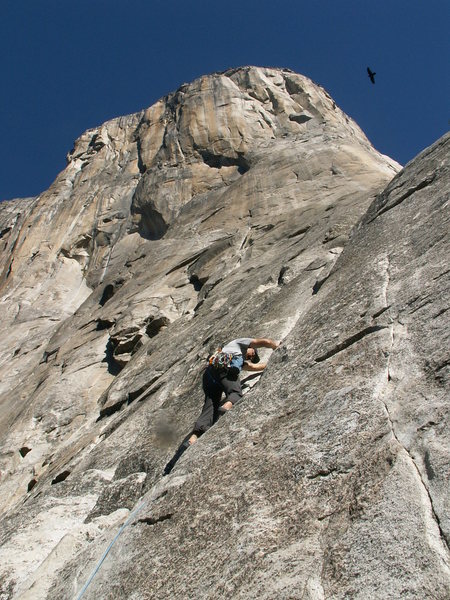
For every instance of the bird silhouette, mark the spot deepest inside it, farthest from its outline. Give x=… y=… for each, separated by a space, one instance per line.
x=371 y=75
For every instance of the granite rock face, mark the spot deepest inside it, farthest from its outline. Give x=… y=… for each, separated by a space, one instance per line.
x=244 y=204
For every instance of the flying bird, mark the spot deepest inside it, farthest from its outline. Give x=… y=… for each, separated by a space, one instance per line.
x=371 y=75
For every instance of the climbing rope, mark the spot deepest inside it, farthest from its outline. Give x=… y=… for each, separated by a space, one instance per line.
x=105 y=554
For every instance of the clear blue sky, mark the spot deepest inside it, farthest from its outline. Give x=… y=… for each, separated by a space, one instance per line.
x=69 y=65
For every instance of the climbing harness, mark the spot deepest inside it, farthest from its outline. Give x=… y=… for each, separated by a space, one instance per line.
x=105 y=554
x=220 y=360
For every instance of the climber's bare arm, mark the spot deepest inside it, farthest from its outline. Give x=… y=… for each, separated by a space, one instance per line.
x=264 y=343
x=249 y=366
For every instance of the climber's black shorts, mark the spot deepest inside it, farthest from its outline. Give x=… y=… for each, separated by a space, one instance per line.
x=216 y=383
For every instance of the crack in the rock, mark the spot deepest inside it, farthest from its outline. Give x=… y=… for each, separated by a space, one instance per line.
x=3 y=232
x=214 y=212
x=420 y=186
x=327 y=515
x=322 y=473
x=425 y=301
x=350 y=341
x=138 y=395
x=318 y=284
x=141 y=392
x=391 y=423
x=392 y=427
x=301 y=231
x=380 y=312
x=441 y=365
x=60 y=477
x=154 y=520
x=441 y=275
x=187 y=261
x=433 y=512
x=441 y=312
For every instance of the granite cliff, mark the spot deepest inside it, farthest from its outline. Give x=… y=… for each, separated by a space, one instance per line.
x=244 y=204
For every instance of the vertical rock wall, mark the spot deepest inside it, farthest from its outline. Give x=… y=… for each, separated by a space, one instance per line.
x=222 y=211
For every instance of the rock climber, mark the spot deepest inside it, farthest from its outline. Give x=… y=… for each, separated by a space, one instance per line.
x=221 y=376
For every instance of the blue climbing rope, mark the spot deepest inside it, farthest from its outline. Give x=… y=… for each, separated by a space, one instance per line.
x=105 y=554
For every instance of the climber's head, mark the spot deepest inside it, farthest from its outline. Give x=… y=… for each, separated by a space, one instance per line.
x=252 y=355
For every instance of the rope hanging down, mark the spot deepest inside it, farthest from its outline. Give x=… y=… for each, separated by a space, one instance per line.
x=105 y=554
